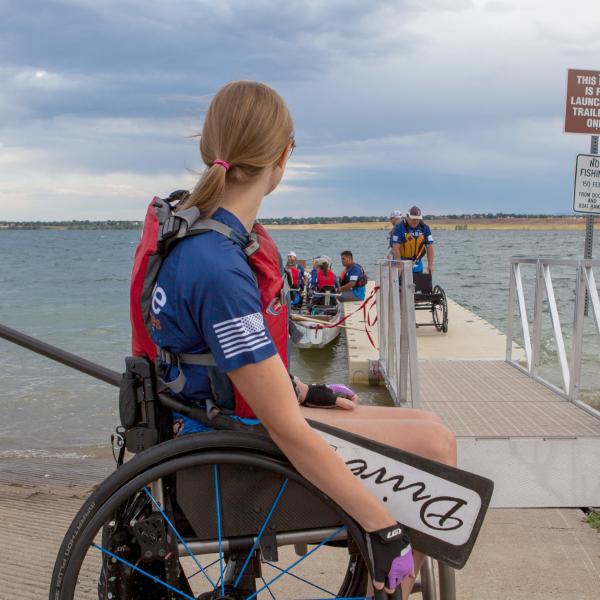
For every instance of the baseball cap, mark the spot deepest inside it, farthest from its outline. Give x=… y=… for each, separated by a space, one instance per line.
x=291 y=253
x=395 y=213
x=414 y=212
x=323 y=260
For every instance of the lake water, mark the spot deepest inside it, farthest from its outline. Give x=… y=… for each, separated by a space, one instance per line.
x=70 y=288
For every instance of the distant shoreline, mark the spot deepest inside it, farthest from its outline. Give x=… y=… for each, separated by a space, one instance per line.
x=441 y=224
x=523 y=224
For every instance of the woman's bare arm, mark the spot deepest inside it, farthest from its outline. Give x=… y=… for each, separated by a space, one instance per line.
x=267 y=388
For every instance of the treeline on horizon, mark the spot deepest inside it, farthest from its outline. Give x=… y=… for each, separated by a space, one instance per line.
x=111 y=224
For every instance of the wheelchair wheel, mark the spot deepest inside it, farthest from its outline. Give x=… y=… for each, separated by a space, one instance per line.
x=229 y=519
x=439 y=309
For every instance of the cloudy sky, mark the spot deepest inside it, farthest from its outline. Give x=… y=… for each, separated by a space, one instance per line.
x=454 y=105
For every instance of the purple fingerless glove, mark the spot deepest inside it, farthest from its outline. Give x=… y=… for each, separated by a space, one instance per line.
x=402 y=567
x=391 y=555
x=341 y=390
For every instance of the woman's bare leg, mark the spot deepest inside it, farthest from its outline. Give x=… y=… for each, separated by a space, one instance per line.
x=421 y=434
x=426 y=437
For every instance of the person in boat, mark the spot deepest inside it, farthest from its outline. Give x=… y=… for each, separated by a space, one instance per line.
x=395 y=218
x=325 y=281
x=296 y=279
x=232 y=307
x=312 y=280
x=353 y=279
x=412 y=240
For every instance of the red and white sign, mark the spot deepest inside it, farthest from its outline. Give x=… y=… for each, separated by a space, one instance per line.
x=582 y=113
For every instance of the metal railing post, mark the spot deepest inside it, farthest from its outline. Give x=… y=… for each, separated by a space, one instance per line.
x=410 y=326
x=537 y=320
x=511 y=312
x=403 y=363
x=577 y=346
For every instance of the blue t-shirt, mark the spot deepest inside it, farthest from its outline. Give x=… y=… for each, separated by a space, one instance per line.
x=206 y=300
x=412 y=239
x=353 y=273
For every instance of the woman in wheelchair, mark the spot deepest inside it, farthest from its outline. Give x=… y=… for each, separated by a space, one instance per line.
x=206 y=301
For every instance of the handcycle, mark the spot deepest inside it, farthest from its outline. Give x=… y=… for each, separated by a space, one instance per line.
x=431 y=299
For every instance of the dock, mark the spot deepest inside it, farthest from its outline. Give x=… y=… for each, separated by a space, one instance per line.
x=540 y=449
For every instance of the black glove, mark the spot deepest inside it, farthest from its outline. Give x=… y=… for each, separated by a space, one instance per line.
x=319 y=396
x=391 y=554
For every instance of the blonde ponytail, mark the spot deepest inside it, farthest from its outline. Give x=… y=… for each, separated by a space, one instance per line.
x=208 y=193
x=246 y=129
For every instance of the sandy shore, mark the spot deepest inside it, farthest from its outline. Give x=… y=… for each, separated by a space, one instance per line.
x=543 y=224
x=515 y=557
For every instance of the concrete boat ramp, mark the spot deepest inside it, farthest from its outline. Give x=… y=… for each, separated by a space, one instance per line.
x=540 y=449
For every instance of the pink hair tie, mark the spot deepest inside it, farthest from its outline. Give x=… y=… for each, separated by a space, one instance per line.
x=224 y=164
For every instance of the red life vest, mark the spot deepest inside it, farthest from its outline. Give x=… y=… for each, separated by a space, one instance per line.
x=266 y=265
x=324 y=280
x=162 y=229
x=295 y=273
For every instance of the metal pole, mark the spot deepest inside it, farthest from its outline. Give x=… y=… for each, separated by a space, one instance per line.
x=61 y=356
x=589 y=227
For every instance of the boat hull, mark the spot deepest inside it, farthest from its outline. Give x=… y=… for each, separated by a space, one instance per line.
x=314 y=336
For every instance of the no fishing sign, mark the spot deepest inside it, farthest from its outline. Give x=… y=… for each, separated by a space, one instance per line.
x=586 y=195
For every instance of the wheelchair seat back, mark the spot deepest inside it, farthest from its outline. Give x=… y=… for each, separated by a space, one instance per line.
x=423 y=283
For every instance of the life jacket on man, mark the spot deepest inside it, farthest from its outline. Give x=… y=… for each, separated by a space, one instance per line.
x=294 y=275
x=163 y=228
x=360 y=282
x=325 y=279
x=413 y=242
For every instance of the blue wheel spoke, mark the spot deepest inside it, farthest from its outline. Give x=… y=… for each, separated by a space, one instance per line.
x=262 y=529
x=145 y=573
x=297 y=562
x=218 y=502
x=179 y=537
x=301 y=579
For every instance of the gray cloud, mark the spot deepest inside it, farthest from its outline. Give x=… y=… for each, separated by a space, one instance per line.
x=94 y=92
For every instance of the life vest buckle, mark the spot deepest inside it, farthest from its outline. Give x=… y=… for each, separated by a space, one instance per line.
x=252 y=246
x=170 y=228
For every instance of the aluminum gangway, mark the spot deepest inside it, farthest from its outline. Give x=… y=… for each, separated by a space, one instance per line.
x=536 y=439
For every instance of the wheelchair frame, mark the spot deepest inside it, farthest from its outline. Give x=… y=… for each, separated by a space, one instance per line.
x=433 y=300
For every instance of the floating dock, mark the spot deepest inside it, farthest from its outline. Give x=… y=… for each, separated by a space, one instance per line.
x=538 y=447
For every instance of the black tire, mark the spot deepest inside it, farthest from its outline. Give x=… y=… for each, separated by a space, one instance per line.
x=250 y=452
x=439 y=310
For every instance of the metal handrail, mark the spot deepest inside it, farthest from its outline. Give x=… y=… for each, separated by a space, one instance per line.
x=398 y=361
x=570 y=367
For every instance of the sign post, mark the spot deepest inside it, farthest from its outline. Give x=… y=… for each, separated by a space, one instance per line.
x=582 y=115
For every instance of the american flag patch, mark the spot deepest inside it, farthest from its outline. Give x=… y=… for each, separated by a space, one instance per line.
x=243 y=334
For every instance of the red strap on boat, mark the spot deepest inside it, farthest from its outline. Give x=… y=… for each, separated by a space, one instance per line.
x=366 y=315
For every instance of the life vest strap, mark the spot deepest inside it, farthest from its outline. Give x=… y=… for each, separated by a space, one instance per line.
x=165 y=357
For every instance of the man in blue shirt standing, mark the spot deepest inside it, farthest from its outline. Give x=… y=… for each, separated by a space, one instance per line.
x=353 y=279
x=395 y=218
x=412 y=239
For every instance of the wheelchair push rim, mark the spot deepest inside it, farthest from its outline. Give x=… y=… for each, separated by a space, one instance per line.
x=232 y=568
x=439 y=310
